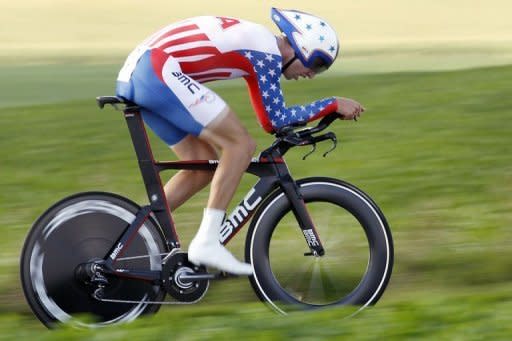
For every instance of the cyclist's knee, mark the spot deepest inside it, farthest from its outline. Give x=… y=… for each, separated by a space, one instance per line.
x=229 y=134
x=242 y=144
x=251 y=145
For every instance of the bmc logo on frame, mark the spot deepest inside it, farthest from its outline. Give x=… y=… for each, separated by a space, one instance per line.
x=310 y=237
x=240 y=213
x=116 y=251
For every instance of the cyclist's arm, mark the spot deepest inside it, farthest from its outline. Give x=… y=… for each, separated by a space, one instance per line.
x=268 y=101
x=307 y=113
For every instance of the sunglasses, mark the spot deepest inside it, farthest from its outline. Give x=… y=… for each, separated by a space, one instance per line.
x=319 y=65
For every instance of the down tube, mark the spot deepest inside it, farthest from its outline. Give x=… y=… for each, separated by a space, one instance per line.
x=244 y=210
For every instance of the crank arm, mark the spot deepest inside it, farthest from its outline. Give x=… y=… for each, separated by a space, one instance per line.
x=203 y=277
x=186 y=278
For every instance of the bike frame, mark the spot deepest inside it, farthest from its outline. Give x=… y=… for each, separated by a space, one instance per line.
x=270 y=167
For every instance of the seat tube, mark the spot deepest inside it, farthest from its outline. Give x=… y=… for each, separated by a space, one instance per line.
x=151 y=176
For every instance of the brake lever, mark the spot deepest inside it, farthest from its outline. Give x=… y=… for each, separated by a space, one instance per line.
x=310 y=152
x=334 y=144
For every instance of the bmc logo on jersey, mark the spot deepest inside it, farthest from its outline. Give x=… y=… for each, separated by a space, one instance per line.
x=186 y=81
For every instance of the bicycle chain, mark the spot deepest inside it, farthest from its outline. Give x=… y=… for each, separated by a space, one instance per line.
x=112 y=300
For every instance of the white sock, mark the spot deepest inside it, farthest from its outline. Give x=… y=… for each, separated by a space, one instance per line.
x=210 y=225
x=206 y=249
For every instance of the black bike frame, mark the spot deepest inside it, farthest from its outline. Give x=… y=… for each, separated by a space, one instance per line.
x=270 y=167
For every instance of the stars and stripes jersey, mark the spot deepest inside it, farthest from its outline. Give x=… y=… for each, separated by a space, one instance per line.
x=212 y=48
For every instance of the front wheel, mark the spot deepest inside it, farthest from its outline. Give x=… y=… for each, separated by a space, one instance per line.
x=80 y=229
x=358 y=259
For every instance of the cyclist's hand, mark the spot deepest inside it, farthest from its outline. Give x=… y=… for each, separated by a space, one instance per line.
x=349 y=109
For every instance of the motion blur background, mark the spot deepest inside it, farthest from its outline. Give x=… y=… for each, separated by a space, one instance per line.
x=433 y=150
x=48 y=28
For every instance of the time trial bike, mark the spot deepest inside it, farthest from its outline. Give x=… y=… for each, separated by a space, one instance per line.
x=313 y=243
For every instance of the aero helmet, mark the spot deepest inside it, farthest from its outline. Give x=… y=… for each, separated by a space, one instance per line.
x=315 y=42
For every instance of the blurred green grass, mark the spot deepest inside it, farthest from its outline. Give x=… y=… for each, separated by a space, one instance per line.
x=433 y=149
x=467 y=316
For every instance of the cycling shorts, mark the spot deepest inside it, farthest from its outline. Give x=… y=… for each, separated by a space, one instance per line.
x=172 y=104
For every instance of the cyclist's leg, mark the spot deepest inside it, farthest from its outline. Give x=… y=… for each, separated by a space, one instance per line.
x=190 y=107
x=185 y=183
x=225 y=133
x=228 y=134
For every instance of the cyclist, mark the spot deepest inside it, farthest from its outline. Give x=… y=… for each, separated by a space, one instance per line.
x=164 y=75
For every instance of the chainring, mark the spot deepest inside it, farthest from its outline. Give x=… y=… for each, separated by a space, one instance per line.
x=177 y=264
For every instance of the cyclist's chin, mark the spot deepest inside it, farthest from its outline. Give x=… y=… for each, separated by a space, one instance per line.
x=290 y=77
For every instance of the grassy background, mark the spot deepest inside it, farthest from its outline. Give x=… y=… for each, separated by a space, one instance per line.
x=433 y=150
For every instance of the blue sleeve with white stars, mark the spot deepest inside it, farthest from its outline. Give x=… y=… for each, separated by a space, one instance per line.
x=267 y=69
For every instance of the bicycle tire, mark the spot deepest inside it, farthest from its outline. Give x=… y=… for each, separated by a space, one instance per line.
x=76 y=230
x=287 y=279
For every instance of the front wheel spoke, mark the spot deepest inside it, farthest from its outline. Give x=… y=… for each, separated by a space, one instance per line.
x=315 y=283
x=296 y=279
x=329 y=284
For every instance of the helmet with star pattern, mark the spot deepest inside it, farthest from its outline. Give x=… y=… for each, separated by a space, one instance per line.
x=315 y=42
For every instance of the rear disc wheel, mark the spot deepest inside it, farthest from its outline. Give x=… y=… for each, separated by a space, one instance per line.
x=78 y=230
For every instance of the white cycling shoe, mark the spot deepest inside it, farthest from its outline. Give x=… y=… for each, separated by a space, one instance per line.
x=206 y=249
